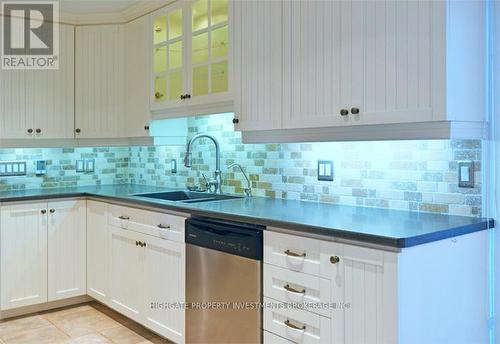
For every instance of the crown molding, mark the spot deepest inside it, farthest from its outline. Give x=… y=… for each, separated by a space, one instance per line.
x=135 y=11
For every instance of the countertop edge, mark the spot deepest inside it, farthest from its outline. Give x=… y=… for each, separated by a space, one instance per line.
x=334 y=234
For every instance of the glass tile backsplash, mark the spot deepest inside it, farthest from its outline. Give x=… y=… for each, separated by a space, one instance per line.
x=415 y=175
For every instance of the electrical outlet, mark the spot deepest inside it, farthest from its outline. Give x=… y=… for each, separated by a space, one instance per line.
x=173 y=166
x=80 y=166
x=325 y=170
x=466 y=174
x=89 y=165
x=14 y=168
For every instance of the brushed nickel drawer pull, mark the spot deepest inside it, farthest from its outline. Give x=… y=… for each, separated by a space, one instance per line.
x=121 y=217
x=295 y=327
x=161 y=226
x=293 y=290
x=295 y=254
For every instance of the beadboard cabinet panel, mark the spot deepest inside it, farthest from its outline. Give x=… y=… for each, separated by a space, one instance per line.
x=67 y=243
x=40 y=103
x=258 y=65
x=137 y=72
x=23 y=249
x=100 y=79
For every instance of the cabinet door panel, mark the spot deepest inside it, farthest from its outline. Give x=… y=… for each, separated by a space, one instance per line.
x=66 y=249
x=258 y=64
x=314 y=78
x=97 y=251
x=126 y=267
x=100 y=79
x=164 y=281
x=23 y=249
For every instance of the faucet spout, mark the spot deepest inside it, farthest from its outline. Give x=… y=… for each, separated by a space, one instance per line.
x=188 y=158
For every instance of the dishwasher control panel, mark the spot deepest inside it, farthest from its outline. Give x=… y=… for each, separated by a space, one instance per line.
x=231 y=237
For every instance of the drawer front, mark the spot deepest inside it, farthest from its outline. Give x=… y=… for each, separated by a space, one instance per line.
x=271 y=338
x=296 y=325
x=292 y=252
x=295 y=287
x=165 y=226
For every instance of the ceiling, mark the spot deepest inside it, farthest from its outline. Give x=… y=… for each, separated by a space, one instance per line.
x=83 y=7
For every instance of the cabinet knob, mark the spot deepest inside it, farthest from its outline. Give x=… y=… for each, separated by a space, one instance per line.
x=30 y=131
x=136 y=243
x=77 y=130
x=146 y=127
x=344 y=112
x=236 y=121
x=334 y=259
x=188 y=96
x=354 y=110
x=158 y=95
x=43 y=211
x=52 y=211
x=183 y=97
x=38 y=131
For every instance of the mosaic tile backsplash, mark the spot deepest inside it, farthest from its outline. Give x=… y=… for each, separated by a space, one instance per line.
x=414 y=175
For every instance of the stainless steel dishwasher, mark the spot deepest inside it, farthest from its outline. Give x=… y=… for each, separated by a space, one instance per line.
x=223 y=282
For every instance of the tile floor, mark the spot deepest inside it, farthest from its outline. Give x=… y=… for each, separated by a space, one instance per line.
x=90 y=323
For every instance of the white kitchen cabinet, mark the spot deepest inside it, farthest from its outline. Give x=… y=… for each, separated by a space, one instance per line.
x=257 y=64
x=66 y=249
x=354 y=70
x=191 y=58
x=40 y=103
x=376 y=295
x=98 y=238
x=127 y=272
x=164 y=282
x=100 y=79
x=137 y=77
x=23 y=249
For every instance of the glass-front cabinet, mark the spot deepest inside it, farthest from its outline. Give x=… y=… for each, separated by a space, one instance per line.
x=191 y=58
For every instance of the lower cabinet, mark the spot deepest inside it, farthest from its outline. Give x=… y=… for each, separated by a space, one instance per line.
x=47 y=243
x=66 y=249
x=23 y=241
x=146 y=271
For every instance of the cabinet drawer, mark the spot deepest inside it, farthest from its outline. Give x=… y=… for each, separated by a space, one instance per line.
x=295 y=287
x=296 y=325
x=161 y=225
x=292 y=252
x=271 y=338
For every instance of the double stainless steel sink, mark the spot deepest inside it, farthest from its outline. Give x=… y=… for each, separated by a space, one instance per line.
x=186 y=196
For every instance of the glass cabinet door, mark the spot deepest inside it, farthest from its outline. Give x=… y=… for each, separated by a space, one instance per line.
x=168 y=55
x=209 y=47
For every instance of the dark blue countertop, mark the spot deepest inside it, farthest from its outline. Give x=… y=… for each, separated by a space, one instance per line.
x=393 y=228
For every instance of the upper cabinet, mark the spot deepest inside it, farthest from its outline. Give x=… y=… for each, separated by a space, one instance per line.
x=100 y=76
x=191 y=58
x=37 y=104
x=337 y=70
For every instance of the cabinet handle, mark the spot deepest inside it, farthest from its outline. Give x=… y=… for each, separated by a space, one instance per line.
x=146 y=127
x=344 y=112
x=52 y=211
x=295 y=327
x=77 y=130
x=293 y=290
x=30 y=131
x=354 y=110
x=144 y=244
x=136 y=243
x=295 y=254
x=236 y=121
x=334 y=259
x=38 y=131
x=163 y=226
x=121 y=217
x=43 y=211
